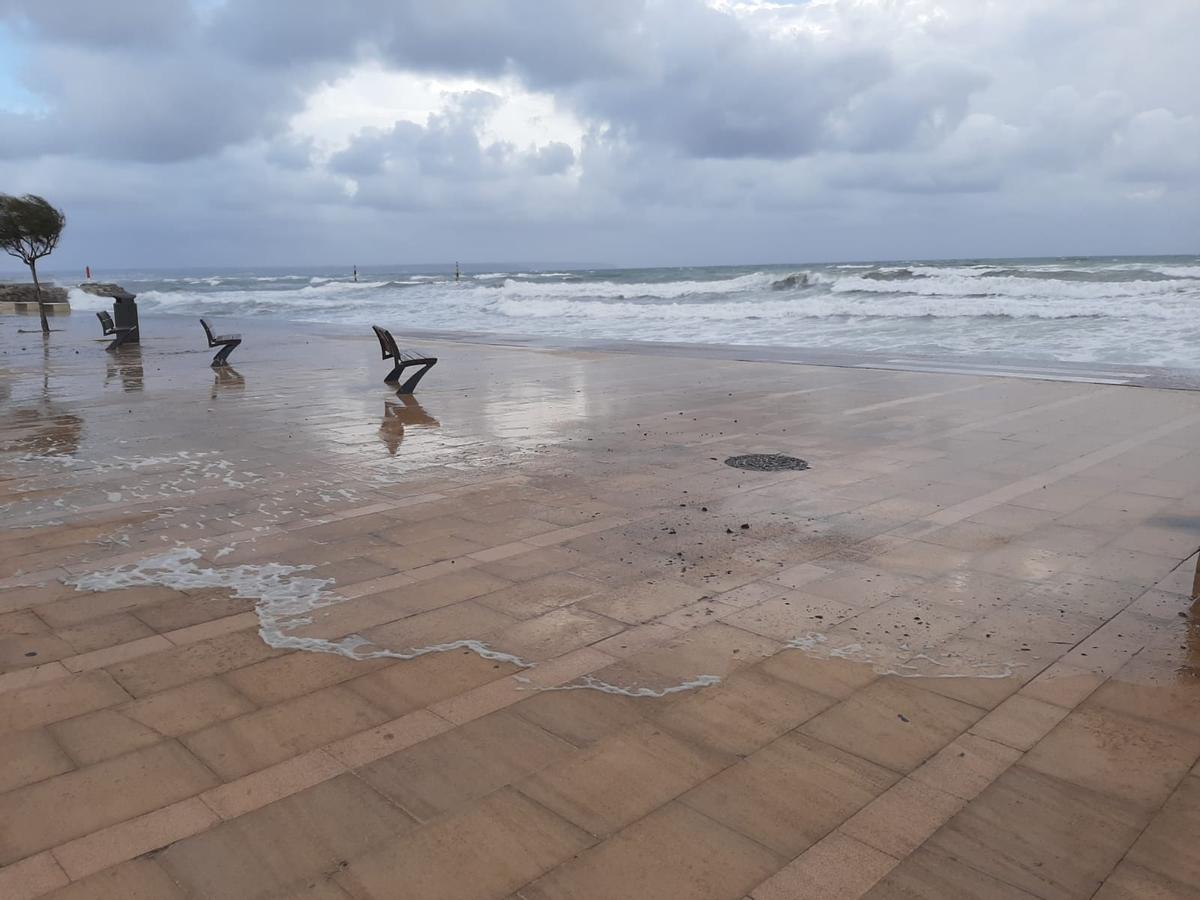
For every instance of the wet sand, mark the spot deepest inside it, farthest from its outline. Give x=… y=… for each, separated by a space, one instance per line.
x=275 y=631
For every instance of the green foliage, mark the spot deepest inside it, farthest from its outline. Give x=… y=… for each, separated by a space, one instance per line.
x=29 y=227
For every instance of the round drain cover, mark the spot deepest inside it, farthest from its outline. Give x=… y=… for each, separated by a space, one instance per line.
x=766 y=462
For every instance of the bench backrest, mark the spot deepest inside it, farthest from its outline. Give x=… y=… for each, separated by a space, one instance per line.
x=387 y=343
x=106 y=322
x=208 y=331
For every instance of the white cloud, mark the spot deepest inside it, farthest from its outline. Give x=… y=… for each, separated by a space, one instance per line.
x=373 y=96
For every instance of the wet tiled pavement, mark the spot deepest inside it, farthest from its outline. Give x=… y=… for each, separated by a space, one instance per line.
x=277 y=632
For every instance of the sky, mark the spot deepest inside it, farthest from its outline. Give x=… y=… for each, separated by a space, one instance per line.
x=259 y=133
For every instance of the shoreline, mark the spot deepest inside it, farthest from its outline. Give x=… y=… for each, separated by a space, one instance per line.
x=996 y=366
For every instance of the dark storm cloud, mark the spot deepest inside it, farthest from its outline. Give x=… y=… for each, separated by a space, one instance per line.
x=722 y=126
x=163 y=106
x=549 y=43
x=678 y=73
x=673 y=72
x=140 y=80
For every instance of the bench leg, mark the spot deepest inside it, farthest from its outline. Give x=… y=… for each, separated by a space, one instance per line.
x=222 y=357
x=121 y=338
x=411 y=384
x=394 y=375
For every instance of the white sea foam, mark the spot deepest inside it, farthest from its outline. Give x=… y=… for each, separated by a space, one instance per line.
x=1177 y=271
x=960 y=286
x=590 y=683
x=1119 y=311
x=659 y=290
x=195 y=468
x=901 y=661
x=285 y=600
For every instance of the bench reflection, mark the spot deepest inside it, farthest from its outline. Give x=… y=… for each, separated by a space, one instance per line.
x=399 y=414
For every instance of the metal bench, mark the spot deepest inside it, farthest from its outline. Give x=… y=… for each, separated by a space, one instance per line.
x=403 y=360
x=227 y=342
x=122 y=334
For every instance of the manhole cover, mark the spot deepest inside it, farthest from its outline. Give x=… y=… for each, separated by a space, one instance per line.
x=766 y=462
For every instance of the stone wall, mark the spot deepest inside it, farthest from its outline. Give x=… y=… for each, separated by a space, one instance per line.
x=21 y=298
x=24 y=293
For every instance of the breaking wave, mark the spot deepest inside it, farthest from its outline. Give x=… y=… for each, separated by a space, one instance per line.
x=1112 y=310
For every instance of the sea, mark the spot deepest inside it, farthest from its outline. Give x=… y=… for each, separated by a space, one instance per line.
x=1123 y=310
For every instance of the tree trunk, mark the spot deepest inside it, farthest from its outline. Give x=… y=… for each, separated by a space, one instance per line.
x=37 y=289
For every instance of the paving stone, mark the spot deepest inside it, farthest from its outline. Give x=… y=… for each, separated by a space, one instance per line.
x=109 y=792
x=137 y=879
x=30 y=756
x=930 y=875
x=1131 y=759
x=101 y=735
x=189 y=707
x=285 y=842
x=621 y=778
x=1042 y=835
x=61 y=699
x=178 y=666
x=837 y=867
x=512 y=841
x=893 y=723
x=791 y=793
x=743 y=713
x=674 y=852
x=259 y=739
x=1166 y=847
x=581 y=717
x=902 y=818
x=459 y=766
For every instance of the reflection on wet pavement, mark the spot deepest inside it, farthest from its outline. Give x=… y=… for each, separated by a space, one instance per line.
x=970 y=592
x=125 y=364
x=404 y=411
x=43 y=430
x=226 y=378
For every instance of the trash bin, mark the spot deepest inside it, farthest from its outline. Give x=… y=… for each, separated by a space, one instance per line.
x=125 y=315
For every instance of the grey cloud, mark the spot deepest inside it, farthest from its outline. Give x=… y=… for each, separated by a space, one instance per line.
x=1157 y=145
x=448 y=146
x=113 y=24
x=551 y=159
x=291 y=153
x=673 y=72
x=1067 y=128
x=920 y=106
x=163 y=104
x=703 y=132
x=371 y=148
x=550 y=43
x=273 y=33
x=164 y=108
x=141 y=80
